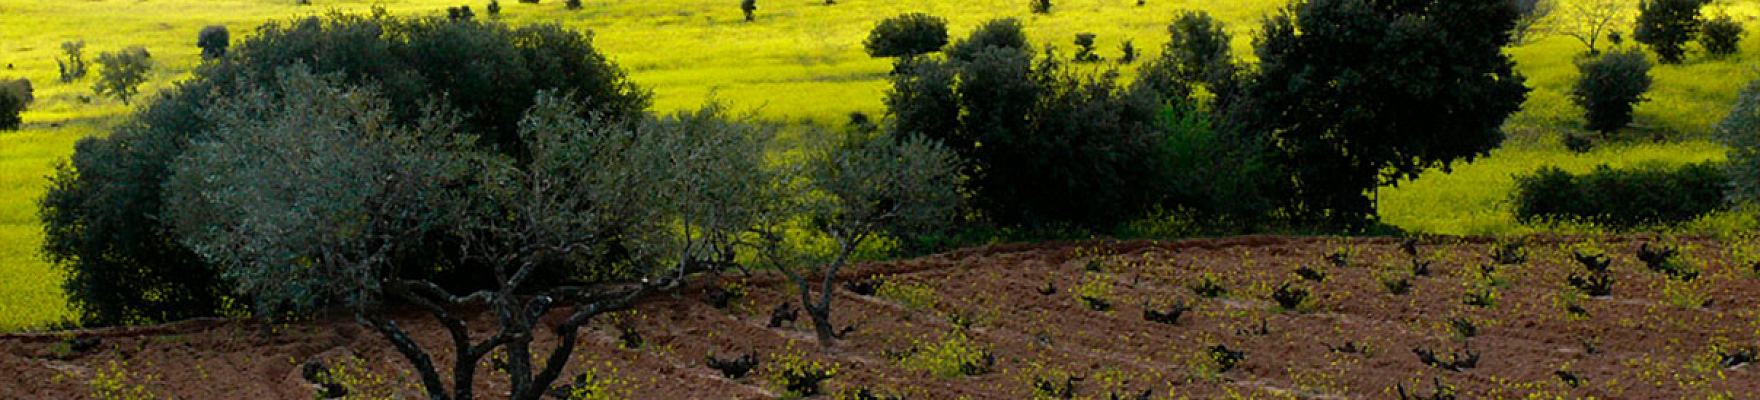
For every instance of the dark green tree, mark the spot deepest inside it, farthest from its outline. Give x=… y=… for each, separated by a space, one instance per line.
x=1357 y=94
x=907 y=35
x=102 y=211
x=213 y=40
x=1032 y=132
x=1667 y=25
x=1608 y=87
x=1721 y=36
x=748 y=7
x=1002 y=33
x=1197 y=53
x=15 y=97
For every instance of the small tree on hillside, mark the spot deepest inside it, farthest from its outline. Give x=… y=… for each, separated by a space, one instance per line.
x=122 y=73
x=1666 y=26
x=74 y=67
x=15 y=97
x=1198 y=52
x=1721 y=36
x=1589 y=21
x=1608 y=87
x=857 y=191
x=748 y=7
x=1005 y=33
x=1039 y=6
x=1740 y=131
x=906 y=36
x=213 y=40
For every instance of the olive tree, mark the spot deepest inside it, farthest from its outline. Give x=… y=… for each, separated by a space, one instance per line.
x=858 y=190
x=1609 y=87
x=213 y=40
x=316 y=219
x=1667 y=25
x=121 y=73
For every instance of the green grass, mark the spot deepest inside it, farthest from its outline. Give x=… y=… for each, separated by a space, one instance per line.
x=800 y=61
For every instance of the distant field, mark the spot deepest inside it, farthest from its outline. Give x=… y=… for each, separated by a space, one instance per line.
x=800 y=61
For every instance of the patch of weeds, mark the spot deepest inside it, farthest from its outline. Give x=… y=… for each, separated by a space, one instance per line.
x=956 y=354
x=1511 y=252
x=732 y=368
x=1458 y=361
x=784 y=314
x=598 y=382
x=1667 y=259
x=723 y=295
x=1439 y=391
x=865 y=286
x=1596 y=284
x=910 y=295
x=1289 y=297
x=1209 y=286
x=1310 y=274
x=1170 y=317
x=1463 y=328
x=627 y=336
x=1340 y=257
x=1686 y=293
x=1397 y=284
x=1225 y=358
x=113 y=381
x=1096 y=292
x=1055 y=385
x=796 y=376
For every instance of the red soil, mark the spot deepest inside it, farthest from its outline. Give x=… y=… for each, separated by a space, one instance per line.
x=1646 y=346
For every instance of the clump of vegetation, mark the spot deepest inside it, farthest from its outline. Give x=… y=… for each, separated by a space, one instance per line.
x=121 y=73
x=15 y=97
x=1667 y=260
x=1721 y=36
x=1039 y=6
x=213 y=40
x=1509 y=252
x=1169 y=317
x=1740 y=131
x=1209 y=286
x=907 y=35
x=114 y=381
x=1127 y=52
x=745 y=6
x=494 y=8
x=910 y=295
x=74 y=66
x=733 y=368
x=1095 y=292
x=1225 y=358
x=1085 y=49
x=1621 y=198
x=1608 y=87
x=956 y=354
x=1289 y=297
x=798 y=376
x=1667 y=25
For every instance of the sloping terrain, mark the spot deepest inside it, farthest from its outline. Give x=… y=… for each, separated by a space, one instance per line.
x=1531 y=331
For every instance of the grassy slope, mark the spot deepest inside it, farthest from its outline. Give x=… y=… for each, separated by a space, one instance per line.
x=800 y=61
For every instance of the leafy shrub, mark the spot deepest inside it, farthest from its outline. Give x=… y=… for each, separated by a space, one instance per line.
x=101 y=213
x=1621 y=197
x=74 y=67
x=123 y=72
x=907 y=35
x=1004 y=33
x=494 y=8
x=956 y=354
x=1127 y=52
x=1197 y=52
x=1721 y=36
x=911 y=296
x=15 y=97
x=1085 y=48
x=1608 y=87
x=576 y=5
x=213 y=40
x=1045 y=132
x=745 y=6
x=1740 y=131
x=1039 y=6
x=1666 y=26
